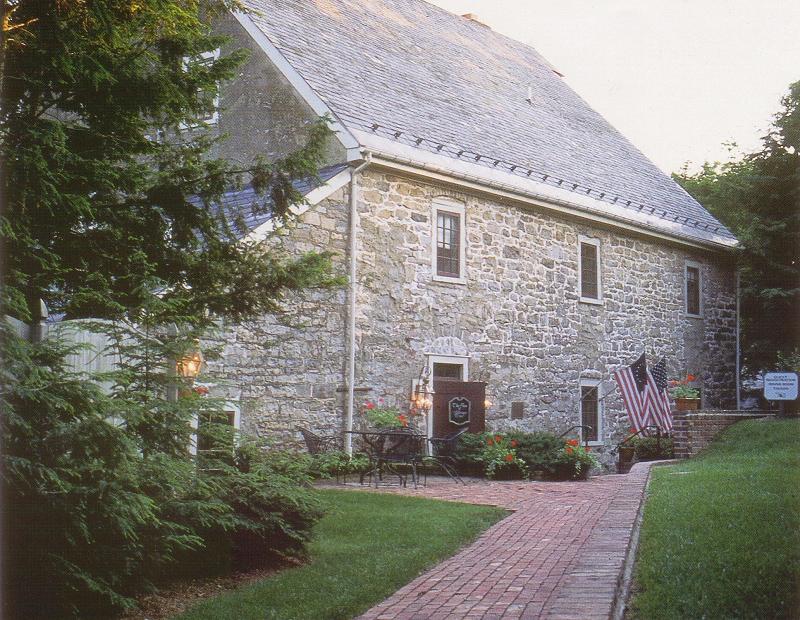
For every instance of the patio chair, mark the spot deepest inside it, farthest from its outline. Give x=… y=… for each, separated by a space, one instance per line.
x=317 y=444
x=401 y=448
x=443 y=453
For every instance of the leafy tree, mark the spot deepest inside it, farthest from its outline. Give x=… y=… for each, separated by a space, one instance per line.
x=110 y=212
x=758 y=198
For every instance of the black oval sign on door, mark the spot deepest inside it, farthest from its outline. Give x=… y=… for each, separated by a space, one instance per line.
x=458 y=411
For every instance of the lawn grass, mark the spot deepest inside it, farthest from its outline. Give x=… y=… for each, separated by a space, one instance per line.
x=366 y=547
x=721 y=532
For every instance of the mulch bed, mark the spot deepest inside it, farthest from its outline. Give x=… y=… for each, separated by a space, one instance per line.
x=176 y=598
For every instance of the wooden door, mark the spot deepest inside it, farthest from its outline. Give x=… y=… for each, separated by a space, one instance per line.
x=456 y=400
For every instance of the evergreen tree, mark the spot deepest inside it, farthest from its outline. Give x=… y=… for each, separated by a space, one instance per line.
x=110 y=212
x=758 y=198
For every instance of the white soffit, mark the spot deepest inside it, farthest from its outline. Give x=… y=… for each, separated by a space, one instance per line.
x=549 y=196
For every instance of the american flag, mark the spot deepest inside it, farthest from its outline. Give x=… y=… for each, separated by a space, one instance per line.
x=632 y=381
x=657 y=397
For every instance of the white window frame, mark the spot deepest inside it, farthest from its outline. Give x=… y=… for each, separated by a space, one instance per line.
x=451 y=207
x=699 y=267
x=212 y=55
x=237 y=420
x=598 y=384
x=582 y=239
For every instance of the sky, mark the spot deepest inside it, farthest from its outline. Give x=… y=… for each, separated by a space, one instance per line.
x=680 y=78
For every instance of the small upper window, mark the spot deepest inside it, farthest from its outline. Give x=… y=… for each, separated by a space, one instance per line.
x=589 y=270
x=693 y=290
x=449 y=254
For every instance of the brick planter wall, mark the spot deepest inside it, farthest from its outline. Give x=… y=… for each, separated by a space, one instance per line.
x=694 y=430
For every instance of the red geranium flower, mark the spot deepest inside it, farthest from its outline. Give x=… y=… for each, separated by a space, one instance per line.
x=570 y=450
x=369 y=405
x=489 y=442
x=498 y=438
x=573 y=442
x=200 y=389
x=509 y=458
x=690 y=377
x=514 y=443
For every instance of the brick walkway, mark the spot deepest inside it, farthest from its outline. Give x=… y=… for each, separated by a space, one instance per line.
x=560 y=555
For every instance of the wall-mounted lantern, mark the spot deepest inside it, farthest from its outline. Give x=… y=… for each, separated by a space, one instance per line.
x=190 y=365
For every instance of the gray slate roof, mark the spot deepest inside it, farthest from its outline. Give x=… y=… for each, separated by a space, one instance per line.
x=406 y=70
x=238 y=205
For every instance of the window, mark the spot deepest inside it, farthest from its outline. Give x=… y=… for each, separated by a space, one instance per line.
x=589 y=270
x=693 y=288
x=448 y=252
x=591 y=411
x=212 y=115
x=447 y=371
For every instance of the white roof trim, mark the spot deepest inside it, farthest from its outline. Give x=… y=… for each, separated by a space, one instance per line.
x=315 y=196
x=544 y=195
x=300 y=85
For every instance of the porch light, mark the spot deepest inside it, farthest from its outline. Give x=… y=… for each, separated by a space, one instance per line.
x=190 y=365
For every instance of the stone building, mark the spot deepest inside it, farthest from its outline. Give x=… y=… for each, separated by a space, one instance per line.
x=493 y=227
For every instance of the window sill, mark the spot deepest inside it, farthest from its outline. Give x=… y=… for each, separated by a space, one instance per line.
x=591 y=300
x=692 y=316
x=449 y=280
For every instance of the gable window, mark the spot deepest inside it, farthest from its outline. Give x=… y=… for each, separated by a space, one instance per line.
x=211 y=117
x=693 y=289
x=591 y=411
x=449 y=252
x=589 y=270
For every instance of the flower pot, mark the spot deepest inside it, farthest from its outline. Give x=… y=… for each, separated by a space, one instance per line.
x=508 y=472
x=687 y=404
x=625 y=460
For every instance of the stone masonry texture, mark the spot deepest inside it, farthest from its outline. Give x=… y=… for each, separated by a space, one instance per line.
x=517 y=318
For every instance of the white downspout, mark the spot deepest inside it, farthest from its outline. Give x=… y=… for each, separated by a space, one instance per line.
x=351 y=312
x=738 y=345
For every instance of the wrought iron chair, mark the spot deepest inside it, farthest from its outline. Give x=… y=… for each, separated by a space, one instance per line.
x=317 y=444
x=401 y=448
x=443 y=453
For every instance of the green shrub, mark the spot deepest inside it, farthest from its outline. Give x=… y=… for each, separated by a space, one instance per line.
x=653 y=448
x=540 y=450
x=338 y=463
x=102 y=500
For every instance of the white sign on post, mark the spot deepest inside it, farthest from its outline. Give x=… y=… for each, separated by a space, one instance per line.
x=780 y=386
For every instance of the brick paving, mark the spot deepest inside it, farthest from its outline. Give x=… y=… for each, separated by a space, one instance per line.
x=560 y=555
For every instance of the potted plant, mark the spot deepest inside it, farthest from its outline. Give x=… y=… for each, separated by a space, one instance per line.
x=686 y=397
x=626 y=452
x=500 y=460
x=574 y=461
x=380 y=417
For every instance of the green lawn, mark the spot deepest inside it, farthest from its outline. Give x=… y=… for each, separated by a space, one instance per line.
x=721 y=532
x=365 y=548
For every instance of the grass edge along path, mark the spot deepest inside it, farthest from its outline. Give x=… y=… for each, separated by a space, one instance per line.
x=365 y=548
x=721 y=532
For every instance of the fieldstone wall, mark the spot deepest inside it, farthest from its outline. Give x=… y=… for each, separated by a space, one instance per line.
x=518 y=315
x=695 y=430
x=287 y=371
x=517 y=318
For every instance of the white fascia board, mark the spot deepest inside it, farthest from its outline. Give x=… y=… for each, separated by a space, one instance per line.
x=315 y=196
x=493 y=181
x=298 y=82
